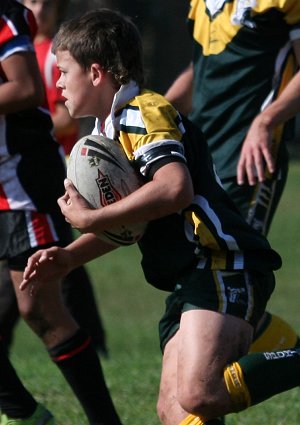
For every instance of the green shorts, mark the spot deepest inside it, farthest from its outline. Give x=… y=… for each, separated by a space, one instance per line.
x=242 y=294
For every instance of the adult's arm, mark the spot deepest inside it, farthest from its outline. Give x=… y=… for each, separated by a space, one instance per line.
x=180 y=92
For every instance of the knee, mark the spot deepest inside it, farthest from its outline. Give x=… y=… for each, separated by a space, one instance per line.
x=28 y=309
x=32 y=314
x=204 y=400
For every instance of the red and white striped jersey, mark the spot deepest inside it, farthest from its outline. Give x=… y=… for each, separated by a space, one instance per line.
x=28 y=151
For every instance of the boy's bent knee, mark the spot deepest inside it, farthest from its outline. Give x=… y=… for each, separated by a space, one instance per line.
x=216 y=396
x=204 y=400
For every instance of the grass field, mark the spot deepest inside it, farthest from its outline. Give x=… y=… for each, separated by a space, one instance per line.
x=131 y=308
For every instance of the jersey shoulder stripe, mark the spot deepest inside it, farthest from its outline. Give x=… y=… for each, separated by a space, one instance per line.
x=147 y=119
x=16 y=20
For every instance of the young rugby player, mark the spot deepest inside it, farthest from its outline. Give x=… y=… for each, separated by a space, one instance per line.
x=76 y=288
x=218 y=269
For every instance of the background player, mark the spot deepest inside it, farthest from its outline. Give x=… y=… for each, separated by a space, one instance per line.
x=31 y=175
x=77 y=289
x=241 y=90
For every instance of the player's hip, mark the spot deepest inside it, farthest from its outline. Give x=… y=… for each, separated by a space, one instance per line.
x=23 y=232
x=243 y=294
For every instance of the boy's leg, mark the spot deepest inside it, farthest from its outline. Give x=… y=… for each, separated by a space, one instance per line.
x=15 y=400
x=206 y=370
x=199 y=379
x=68 y=346
x=78 y=296
x=9 y=313
x=193 y=362
x=273 y=334
x=259 y=376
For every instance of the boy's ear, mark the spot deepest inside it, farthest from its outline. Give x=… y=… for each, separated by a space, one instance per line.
x=97 y=73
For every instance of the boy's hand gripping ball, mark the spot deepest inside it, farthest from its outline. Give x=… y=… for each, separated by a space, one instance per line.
x=102 y=174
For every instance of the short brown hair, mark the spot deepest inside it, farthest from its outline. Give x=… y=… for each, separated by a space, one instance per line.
x=106 y=37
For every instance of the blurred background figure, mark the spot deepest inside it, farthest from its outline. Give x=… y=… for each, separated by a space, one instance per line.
x=77 y=288
x=242 y=90
x=48 y=15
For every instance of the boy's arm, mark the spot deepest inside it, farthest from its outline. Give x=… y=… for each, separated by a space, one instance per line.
x=169 y=191
x=256 y=150
x=24 y=87
x=55 y=262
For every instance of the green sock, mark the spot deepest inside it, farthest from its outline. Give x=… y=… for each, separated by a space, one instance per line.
x=270 y=373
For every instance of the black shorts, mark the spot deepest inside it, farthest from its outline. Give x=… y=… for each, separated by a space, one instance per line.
x=242 y=294
x=24 y=232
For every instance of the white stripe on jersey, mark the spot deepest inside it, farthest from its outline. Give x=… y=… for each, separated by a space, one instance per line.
x=228 y=239
x=31 y=233
x=16 y=197
x=238 y=260
x=250 y=297
x=221 y=291
x=295 y=34
x=132 y=118
x=30 y=229
x=278 y=71
x=146 y=148
x=10 y=25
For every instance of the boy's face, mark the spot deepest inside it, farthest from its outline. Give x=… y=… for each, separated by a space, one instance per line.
x=76 y=85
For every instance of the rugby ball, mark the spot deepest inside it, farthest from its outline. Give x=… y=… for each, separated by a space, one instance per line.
x=102 y=174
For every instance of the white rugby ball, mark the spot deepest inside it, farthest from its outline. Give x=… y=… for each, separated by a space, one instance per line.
x=102 y=174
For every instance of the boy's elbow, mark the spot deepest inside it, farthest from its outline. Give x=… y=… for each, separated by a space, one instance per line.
x=37 y=96
x=187 y=197
x=33 y=94
x=183 y=197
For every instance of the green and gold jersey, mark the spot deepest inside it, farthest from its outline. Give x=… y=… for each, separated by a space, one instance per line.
x=242 y=59
x=210 y=233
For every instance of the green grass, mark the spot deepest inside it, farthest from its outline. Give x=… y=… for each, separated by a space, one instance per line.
x=131 y=309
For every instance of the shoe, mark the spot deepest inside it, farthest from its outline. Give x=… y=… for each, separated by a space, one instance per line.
x=41 y=416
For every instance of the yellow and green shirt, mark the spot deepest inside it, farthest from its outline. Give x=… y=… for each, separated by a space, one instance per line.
x=242 y=59
x=210 y=233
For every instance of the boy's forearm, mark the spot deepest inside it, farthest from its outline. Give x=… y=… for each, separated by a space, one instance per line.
x=286 y=106
x=86 y=248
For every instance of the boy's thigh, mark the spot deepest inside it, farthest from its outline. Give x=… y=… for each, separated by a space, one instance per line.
x=207 y=341
x=194 y=361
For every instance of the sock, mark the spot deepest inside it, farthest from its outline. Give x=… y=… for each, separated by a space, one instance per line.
x=195 y=420
x=80 y=365
x=274 y=334
x=15 y=400
x=259 y=376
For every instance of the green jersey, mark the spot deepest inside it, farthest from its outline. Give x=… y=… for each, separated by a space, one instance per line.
x=242 y=60
x=209 y=233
